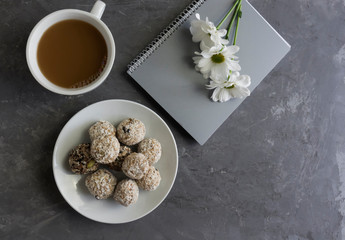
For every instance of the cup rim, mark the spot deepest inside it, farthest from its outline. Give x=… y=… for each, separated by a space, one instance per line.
x=72 y=91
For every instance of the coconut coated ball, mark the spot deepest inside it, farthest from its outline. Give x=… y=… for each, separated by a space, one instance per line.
x=151 y=148
x=135 y=165
x=105 y=150
x=101 y=129
x=126 y=192
x=117 y=164
x=131 y=131
x=151 y=180
x=101 y=184
x=81 y=161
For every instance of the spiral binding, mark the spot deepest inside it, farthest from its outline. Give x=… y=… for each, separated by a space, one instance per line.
x=164 y=35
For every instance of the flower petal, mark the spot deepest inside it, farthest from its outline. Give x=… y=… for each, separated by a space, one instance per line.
x=215 y=95
x=235 y=92
x=222 y=32
x=218 y=79
x=246 y=92
x=239 y=92
x=233 y=49
x=212 y=85
x=224 y=95
x=206 y=54
x=219 y=70
x=197 y=59
x=205 y=63
x=233 y=65
x=244 y=81
x=205 y=45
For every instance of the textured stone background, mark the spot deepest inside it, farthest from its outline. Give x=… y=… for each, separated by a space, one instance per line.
x=274 y=170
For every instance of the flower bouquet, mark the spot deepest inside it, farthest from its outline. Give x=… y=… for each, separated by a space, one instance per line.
x=217 y=60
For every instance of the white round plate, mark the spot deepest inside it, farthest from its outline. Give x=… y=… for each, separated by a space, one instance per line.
x=72 y=186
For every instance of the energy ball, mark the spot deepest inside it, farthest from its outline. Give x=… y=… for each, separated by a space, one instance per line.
x=151 y=148
x=131 y=131
x=101 y=184
x=117 y=164
x=105 y=150
x=126 y=192
x=135 y=165
x=151 y=180
x=81 y=161
x=101 y=129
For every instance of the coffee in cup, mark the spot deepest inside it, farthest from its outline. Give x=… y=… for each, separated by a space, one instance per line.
x=71 y=51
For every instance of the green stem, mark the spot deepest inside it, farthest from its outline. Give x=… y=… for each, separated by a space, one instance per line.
x=233 y=19
x=228 y=14
x=238 y=20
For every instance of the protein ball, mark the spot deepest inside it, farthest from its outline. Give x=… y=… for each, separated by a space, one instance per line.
x=151 y=148
x=117 y=164
x=126 y=192
x=105 y=150
x=81 y=161
x=151 y=180
x=135 y=165
x=131 y=131
x=101 y=184
x=101 y=129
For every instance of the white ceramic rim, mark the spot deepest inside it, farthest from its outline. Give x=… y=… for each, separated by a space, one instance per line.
x=131 y=102
x=73 y=91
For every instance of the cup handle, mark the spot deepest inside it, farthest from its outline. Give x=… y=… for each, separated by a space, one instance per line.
x=98 y=9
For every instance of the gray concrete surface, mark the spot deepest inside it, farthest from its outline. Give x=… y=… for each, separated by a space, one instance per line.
x=274 y=170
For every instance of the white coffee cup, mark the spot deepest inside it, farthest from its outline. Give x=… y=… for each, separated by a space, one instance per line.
x=92 y=18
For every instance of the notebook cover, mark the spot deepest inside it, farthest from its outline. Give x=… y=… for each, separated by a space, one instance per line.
x=169 y=76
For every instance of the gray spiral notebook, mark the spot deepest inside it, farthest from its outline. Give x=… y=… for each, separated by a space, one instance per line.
x=165 y=68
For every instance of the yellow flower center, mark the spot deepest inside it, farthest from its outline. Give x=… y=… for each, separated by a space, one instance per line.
x=218 y=58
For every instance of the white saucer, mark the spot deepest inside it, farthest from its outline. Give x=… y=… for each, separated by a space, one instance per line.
x=72 y=186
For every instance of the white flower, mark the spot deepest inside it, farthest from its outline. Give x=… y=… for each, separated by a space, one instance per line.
x=205 y=32
x=234 y=87
x=217 y=61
